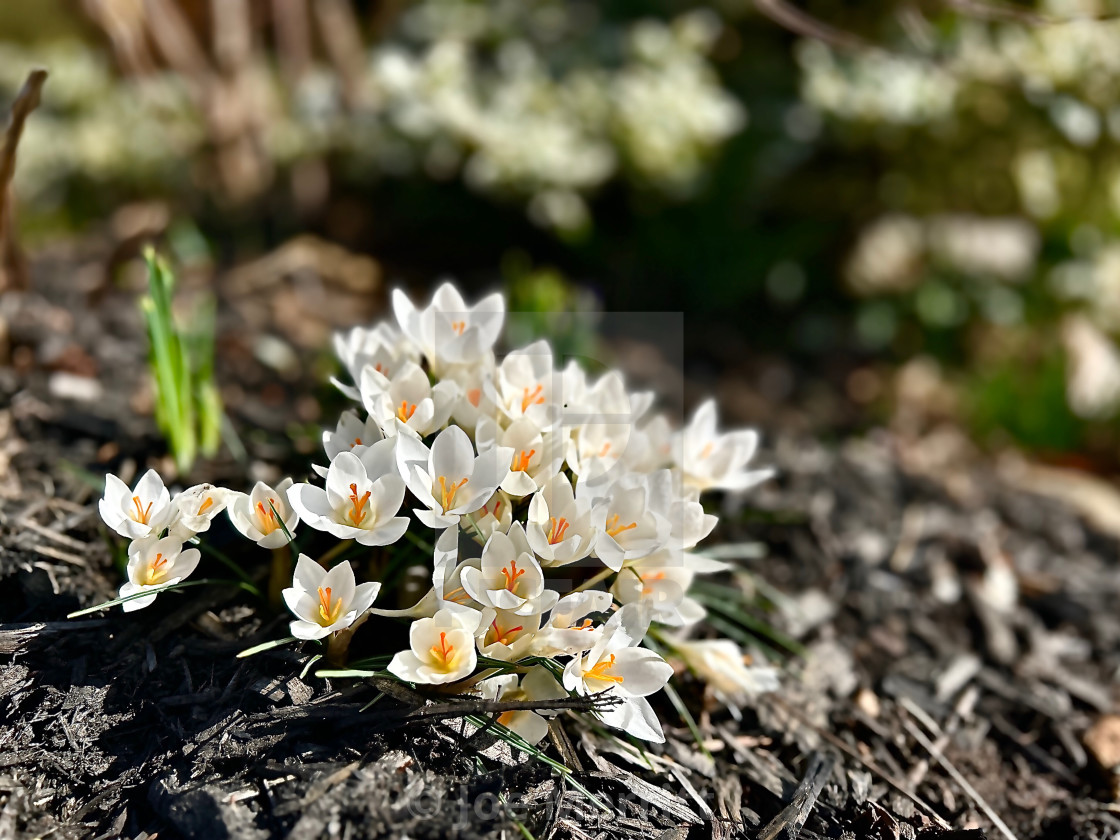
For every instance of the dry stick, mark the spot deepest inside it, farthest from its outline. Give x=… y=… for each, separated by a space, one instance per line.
x=340 y=32
x=948 y=767
x=13 y=271
x=802 y=23
x=868 y=763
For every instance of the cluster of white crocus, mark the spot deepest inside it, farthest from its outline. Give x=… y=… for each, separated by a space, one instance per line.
x=563 y=512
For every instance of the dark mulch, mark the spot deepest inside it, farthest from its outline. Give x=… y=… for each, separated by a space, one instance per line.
x=958 y=677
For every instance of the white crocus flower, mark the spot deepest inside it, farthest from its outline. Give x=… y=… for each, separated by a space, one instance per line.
x=408 y=402
x=536 y=684
x=447 y=590
x=660 y=583
x=711 y=460
x=558 y=526
x=508 y=636
x=602 y=425
x=154 y=563
x=195 y=508
x=382 y=348
x=614 y=665
x=254 y=514
x=474 y=400
x=725 y=668
x=351 y=434
x=629 y=516
x=325 y=602
x=448 y=479
x=144 y=511
x=536 y=457
x=508 y=577
x=570 y=629
x=442 y=648
x=523 y=386
x=361 y=498
x=448 y=331
x=650 y=447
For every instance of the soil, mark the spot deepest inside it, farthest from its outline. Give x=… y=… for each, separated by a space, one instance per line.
x=946 y=624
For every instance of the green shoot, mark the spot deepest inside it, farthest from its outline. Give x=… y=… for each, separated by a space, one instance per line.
x=188 y=407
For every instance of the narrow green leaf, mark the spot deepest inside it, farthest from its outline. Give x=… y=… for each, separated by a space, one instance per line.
x=265 y=646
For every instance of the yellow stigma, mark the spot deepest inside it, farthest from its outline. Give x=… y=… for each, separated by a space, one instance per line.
x=614 y=529
x=142 y=514
x=357 y=513
x=599 y=672
x=447 y=492
x=521 y=461
x=328 y=612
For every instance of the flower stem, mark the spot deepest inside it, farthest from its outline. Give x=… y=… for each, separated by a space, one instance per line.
x=599 y=578
x=334 y=552
x=279 y=576
x=339 y=642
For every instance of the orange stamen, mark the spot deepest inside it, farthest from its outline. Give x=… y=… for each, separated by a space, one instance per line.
x=443 y=649
x=500 y=635
x=585 y=626
x=521 y=462
x=447 y=493
x=328 y=614
x=534 y=398
x=559 y=526
x=405 y=412
x=207 y=503
x=505 y=718
x=267 y=517
x=646 y=579
x=357 y=442
x=707 y=450
x=458 y=327
x=474 y=396
x=142 y=514
x=458 y=595
x=511 y=577
x=380 y=369
x=606 y=448
x=599 y=672
x=156 y=570
x=358 y=513
x=614 y=529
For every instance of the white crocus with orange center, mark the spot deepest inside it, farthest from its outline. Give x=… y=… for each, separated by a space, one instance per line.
x=448 y=331
x=524 y=385
x=727 y=670
x=660 y=583
x=144 y=511
x=475 y=397
x=154 y=563
x=351 y=434
x=558 y=526
x=710 y=460
x=448 y=479
x=508 y=636
x=509 y=576
x=616 y=666
x=264 y=513
x=536 y=457
x=629 y=516
x=361 y=498
x=441 y=648
x=382 y=348
x=195 y=509
x=325 y=602
x=602 y=425
x=570 y=628
x=408 y=402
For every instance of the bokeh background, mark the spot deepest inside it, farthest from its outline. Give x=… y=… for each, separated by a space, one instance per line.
x=874 y=212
